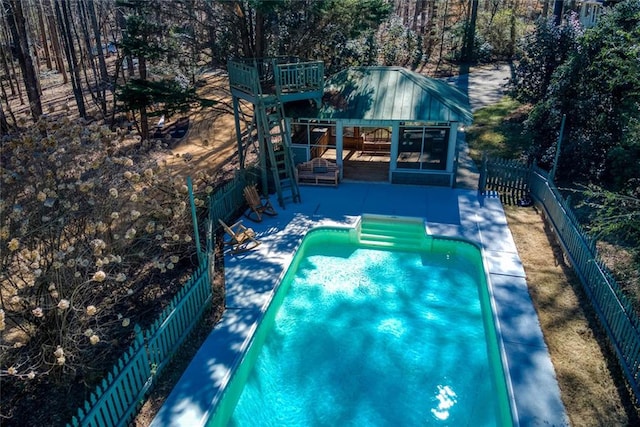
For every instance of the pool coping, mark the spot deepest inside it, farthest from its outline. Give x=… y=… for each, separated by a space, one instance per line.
x=252 y=279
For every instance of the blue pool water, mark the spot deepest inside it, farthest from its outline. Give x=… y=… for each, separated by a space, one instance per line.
x=362 y=336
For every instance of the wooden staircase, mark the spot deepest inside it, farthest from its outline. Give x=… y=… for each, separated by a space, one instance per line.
x=275 y=139
x=268 y=83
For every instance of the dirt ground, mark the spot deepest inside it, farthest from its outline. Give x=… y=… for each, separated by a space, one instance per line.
x=210 y=142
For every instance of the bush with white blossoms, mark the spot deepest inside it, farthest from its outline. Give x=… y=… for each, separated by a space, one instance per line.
x=85 y=226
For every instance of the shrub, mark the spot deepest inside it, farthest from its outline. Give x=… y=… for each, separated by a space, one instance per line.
x=83 y=230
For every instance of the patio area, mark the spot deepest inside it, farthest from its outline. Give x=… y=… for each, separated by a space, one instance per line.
x=252 y=277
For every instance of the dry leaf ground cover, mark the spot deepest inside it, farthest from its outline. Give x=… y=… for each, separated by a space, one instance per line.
x=591 y=384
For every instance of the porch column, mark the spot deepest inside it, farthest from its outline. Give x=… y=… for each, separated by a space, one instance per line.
x=236 y=114
x=339 y=147
x=395 y=142
x=451 y=151
x=451 y=147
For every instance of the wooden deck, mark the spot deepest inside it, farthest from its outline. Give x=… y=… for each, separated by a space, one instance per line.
x=362 y=166
x=369 y=171
x=289 y=78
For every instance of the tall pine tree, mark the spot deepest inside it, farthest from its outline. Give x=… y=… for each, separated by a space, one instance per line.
x=148 y=40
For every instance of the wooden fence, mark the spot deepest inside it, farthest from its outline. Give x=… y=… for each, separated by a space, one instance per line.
x=119 y=396
x=509 y=178
x=614 y=310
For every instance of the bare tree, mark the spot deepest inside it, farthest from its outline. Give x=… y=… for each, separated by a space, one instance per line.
x=54 y=36
x=5 y=67
x=470 y=32
x=18 y=29
x=43 y=35
x=63 y=14
x=91 y=9
x=4 y=125
x=90 y=58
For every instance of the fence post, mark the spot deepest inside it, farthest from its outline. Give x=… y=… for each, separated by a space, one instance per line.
x=552 y=174
x=194 y=217
x=482 y=180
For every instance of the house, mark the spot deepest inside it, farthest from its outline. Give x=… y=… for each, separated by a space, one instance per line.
x=389 y=119
x=590 y=10
x=404 y=120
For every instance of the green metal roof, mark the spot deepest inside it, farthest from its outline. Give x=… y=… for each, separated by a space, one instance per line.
x=392 y=94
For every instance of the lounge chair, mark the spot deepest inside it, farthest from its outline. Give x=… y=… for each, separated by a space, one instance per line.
x=257 y=205
x=241 y=238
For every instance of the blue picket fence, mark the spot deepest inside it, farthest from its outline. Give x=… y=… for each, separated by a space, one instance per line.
x=117 y=399
x=226 y=201
x=614 y=310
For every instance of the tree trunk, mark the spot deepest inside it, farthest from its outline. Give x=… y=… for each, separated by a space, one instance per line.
x=429 y=28
x=144 y=118
x=122 y=24
x=512 y=28
x=5 y=67
x=55 y=41
x=194 y=42
x=8 y=59
x=104 y=75
x=97 y=89
x=259 y=37
x=70 y=52
x=4 y=125
x=470 y=33
x=5 y=98
x=240 y=16
x=43 y=36
x=557 y=11
x=545 y=8
x=442 y=33
x=418 y=13
x=18 y=28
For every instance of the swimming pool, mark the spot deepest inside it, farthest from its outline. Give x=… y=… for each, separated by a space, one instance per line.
x=377 y=325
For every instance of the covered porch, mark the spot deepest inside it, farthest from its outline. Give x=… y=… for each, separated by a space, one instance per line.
x=384 y=124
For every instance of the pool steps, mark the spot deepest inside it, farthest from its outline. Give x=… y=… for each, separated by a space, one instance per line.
x=406 y=233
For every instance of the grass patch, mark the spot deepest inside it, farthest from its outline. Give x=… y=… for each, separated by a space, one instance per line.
x=498 y=130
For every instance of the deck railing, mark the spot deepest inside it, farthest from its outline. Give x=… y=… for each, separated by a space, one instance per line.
x=244 y=76
x=614 y=310
x=279 y=75
x=299 y=77
x=119 y=396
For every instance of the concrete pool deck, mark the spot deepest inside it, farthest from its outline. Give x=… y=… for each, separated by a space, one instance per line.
x=252 y=277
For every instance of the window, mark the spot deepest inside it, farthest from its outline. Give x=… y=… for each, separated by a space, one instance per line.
x=313 y=134
x=347 y=131
x=423 y=148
